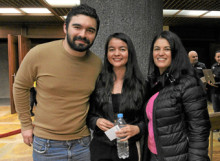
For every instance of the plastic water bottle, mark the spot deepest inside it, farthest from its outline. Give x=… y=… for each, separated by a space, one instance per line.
x=122 y=146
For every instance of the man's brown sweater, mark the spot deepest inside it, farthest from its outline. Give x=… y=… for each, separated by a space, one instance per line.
x=64 y=85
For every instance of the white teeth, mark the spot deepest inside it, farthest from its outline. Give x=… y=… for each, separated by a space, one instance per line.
x=117 y=59
x=160 y=59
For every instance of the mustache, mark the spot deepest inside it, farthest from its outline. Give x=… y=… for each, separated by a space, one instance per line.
x=80 y=38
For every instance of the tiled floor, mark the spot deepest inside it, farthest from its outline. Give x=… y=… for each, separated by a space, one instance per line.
x=12 y=148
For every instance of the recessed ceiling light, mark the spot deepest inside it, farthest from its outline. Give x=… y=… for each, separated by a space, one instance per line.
x=9 y=10
x=191 y=13
x=35 y=10
x=169 y=12
x=212 y=14
x=63 y=3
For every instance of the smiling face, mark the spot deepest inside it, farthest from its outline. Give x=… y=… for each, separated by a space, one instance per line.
x=117 y=53
x=162 y=54
x=81 y=32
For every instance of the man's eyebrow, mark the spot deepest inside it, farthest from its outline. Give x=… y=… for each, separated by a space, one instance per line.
x=92 y=28
x=76 y=24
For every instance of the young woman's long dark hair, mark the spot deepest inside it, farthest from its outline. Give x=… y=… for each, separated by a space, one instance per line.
x=180 y=64
x=133 y=90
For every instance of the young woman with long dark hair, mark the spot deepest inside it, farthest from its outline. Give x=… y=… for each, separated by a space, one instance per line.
x=120 y=88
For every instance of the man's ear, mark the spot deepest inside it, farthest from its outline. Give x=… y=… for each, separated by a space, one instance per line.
x=64 y=28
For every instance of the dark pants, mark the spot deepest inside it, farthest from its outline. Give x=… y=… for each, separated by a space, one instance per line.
x=33 y=100
x=216 y=102
x=103 y=152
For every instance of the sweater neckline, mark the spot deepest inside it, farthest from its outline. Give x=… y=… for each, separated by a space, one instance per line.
x=72 y=56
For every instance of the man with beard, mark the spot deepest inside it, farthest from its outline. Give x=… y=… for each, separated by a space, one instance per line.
x=65 y=72
x=198 y=66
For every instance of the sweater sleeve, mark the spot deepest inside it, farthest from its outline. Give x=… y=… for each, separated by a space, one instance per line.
x=21 y=90
x=197 y=117
x=92 y=114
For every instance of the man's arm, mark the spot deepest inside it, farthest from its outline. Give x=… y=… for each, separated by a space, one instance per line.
x=21 y=92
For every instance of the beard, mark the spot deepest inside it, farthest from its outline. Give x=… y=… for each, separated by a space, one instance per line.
x=195 y=61
x=80 y=47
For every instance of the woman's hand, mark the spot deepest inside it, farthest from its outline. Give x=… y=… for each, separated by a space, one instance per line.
x=104 y=124
x=128 y=131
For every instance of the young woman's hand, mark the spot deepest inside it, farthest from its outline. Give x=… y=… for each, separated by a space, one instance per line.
x=104 y=124
x=127 y=132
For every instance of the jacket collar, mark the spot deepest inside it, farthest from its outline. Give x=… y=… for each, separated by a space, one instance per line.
x=158 y=82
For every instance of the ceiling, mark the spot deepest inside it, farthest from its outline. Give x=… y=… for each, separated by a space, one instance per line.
x=167 y=4
x=30 y=18
x=210 y=5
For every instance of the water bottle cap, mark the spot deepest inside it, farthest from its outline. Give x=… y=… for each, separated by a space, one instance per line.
x=120 y=115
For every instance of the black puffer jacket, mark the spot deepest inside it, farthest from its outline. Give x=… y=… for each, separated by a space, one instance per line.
x=181 y=121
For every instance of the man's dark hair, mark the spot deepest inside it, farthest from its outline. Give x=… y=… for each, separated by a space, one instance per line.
x=217 y=51
x=84 y=10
